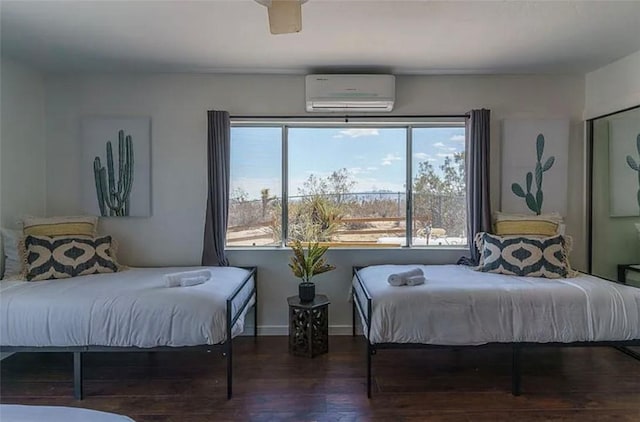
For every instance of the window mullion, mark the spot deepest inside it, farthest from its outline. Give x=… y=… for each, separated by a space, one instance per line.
x=408 y=188
x=285 y=186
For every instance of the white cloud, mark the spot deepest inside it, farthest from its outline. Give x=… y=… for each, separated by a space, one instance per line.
x=438 y=145
x=452 y=149
x=444 y=155
x=388 y=159
x=421 y=156
x=358 y=132
x=457 y=138
x=372 y=168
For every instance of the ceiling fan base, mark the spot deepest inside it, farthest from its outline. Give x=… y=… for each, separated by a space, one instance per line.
x=285 y=16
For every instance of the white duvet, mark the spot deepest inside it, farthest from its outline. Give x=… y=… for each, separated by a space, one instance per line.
x=21 y=413
x=124 y=309
x=459 y=306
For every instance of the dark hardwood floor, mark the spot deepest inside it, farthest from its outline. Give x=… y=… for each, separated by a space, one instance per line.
x=586 y=384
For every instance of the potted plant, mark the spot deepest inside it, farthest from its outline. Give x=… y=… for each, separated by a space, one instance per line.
x=306 y=265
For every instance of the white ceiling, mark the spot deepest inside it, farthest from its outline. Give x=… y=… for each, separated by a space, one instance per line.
x=403 y=37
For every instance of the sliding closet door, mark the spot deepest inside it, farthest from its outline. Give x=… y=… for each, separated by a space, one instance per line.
x=615 y=228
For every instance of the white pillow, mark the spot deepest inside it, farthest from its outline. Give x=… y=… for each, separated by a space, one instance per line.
x=12 y=258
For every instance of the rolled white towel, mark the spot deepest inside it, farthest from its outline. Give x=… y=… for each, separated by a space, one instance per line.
x=398 y=279
x=176 y=279
x=193 y=281
x=395 y=280
x=415 y=280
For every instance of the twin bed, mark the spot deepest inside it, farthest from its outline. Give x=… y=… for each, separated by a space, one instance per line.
x=127 y=311
x=458 y=306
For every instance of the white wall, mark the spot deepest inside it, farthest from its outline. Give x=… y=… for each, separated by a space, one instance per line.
x=177 y=104
x=613 y=87
x=22 y=146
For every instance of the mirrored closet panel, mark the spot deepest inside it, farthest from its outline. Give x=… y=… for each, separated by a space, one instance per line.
x=615 y=196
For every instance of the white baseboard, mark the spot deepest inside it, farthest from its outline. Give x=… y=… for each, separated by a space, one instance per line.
x=283 y=330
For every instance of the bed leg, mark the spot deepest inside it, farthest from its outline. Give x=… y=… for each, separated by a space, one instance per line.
x=255 y=319
x=229 y=370
x=353 y=316
x=77 y=376
x=515 y=370
x=369 y=354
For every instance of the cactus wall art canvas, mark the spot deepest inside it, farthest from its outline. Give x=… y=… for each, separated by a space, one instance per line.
x=534 y=165
x=116 y=170
x=624 y=166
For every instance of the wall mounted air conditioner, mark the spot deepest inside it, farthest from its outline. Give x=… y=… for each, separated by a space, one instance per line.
x=347 y=93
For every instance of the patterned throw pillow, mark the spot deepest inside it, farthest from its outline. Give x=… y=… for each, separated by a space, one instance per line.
x=523 y=256
x=67 y=256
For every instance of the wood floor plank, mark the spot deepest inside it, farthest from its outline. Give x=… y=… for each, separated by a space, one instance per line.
x=586 y=384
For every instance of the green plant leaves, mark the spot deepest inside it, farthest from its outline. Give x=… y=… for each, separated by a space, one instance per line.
x=638 y=143
x=297 y=260
x=540 y=146
x=531 y=203
x=535 y=203
x=517 y=189
x=539 y=176
x=632 y=163
x=306 y=266
x=539 y=198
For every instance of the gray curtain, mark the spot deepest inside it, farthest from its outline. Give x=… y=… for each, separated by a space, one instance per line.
x=478 y=203
x=217 y=216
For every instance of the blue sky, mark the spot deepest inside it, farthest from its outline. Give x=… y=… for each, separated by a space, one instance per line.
x=374 y=157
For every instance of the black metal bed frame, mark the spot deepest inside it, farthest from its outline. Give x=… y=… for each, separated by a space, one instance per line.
x=362 y=304
x=225 y=346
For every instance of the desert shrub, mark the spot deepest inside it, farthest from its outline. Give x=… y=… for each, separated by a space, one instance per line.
x=314 y=219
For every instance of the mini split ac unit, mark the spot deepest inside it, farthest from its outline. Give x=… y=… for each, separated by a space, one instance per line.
x=344 y=93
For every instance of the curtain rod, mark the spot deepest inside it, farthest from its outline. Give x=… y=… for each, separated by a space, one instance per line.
x=359 y=116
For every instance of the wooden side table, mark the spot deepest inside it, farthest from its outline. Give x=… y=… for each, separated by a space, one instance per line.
x=308 y=326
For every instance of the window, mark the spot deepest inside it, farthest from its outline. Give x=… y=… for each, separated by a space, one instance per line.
x=255 y=201
x=438 y=184
x=348 y=184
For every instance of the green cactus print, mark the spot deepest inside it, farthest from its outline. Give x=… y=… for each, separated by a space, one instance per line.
x=535 y=202
x=635 y=166
x=114 y=196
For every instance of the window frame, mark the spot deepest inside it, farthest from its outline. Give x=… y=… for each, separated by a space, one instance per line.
x=350 y=122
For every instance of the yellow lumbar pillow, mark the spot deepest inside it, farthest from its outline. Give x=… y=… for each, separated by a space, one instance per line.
x=526 y=227
x=60 y=226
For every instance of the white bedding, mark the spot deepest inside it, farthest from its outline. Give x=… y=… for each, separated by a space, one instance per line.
x=125 y=309
x=21 y=413
x=459 y=306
